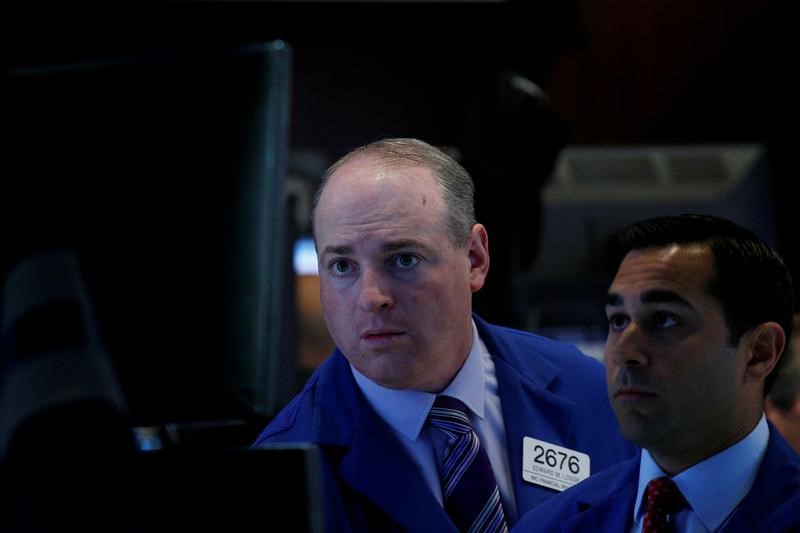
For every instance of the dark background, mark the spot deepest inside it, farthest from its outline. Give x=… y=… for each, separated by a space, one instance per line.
x=618 y=73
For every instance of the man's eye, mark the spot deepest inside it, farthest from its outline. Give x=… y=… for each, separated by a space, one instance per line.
x=618 y=322
x=664 y=319
x=340 y=267
x=404 y=261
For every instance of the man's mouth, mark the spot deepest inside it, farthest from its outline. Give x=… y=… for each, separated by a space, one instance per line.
x=632 y=394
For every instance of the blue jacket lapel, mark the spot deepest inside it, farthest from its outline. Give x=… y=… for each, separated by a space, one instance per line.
x=777 y=479
x=529 y=409
x=607 y=505
x=537 y=413
x=395 y=485
x=612 y=514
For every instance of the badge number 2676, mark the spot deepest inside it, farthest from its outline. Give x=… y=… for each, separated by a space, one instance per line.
x=552 y=466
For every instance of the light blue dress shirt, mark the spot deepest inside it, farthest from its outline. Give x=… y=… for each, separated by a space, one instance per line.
x=406 y=411
x=713 y=487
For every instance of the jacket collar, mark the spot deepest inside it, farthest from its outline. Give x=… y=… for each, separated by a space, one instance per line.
x=778 y=476
x=525 y=381
x=608 y=501
x=367 y=441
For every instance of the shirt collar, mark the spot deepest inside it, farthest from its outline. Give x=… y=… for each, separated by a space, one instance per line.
x=406 y=410
x=715 y=486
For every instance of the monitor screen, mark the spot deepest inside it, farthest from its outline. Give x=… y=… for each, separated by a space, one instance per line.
x=164 y=175
x=229 y=489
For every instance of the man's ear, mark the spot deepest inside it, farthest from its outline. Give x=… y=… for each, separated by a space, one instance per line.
x=478 y=253
x=766 y=343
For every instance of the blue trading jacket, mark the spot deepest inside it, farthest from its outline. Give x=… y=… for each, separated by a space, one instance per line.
x=549 y=391
x=605 y=502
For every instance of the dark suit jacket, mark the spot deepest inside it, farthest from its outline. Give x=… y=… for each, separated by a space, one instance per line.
x=605 y=502
x=548 y=390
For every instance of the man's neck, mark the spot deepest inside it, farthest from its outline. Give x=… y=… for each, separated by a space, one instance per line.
x=674 y=461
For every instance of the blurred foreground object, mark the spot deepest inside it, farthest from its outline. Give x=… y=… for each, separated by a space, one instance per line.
x=66 y=447
x=512 y=136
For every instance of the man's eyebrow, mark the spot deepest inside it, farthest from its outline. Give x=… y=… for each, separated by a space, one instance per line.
x=653 y=296
x=392 y=246
x=336 y=250
x=663 y=296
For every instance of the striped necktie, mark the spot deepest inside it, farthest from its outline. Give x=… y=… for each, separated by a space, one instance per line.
x=469 y=488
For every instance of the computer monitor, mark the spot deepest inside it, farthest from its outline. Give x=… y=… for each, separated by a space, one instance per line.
x=274 y=487
x=164 y=176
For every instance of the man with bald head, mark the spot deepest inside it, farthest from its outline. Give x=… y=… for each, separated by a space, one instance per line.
x=400 y=255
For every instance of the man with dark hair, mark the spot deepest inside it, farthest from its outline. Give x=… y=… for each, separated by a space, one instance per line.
x=699 y=312
x=420 y=393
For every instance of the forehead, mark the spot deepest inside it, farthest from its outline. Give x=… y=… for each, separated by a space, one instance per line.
x=374 y=168
x=367 y=195
x=685 y=270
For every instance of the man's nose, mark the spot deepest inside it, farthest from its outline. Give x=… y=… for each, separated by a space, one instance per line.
x=629 y=347
x=375 y=294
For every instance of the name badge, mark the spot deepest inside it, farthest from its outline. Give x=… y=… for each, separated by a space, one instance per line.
x=552 y=466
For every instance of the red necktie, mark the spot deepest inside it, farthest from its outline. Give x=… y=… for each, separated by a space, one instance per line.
x=663 y=499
